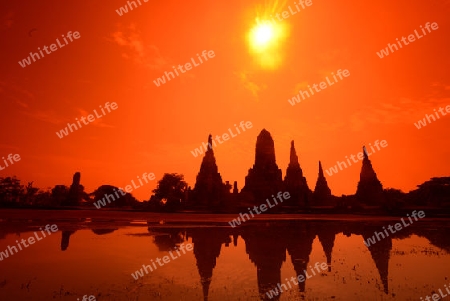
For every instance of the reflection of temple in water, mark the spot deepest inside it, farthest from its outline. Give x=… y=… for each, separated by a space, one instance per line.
x=266 y=249
x=267 y=243
x=299 y=240
x=169 y=240
x=326 y=237
x=66 y=234
x=266 y=246
x=380 y=253
x=207 y=247
x=65 y=239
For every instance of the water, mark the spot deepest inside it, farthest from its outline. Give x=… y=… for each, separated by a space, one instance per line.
x=90 y=257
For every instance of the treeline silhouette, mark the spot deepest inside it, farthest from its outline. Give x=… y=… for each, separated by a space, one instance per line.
x=264 y=179
x=172 y=192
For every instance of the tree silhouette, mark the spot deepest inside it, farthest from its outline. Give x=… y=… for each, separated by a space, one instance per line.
x=10 y=191
x=59 y=195
x=30 y=193
x=113 y=192
x=170 y=191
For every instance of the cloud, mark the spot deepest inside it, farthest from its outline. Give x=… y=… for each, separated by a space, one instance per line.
x=300 y=86
x=22 y=104
x=158 y=62
x=25 y=101
x=398 y=111
x=440 y=86
x=98 y=121
x=45 y=116
x=16 y=92
x=9 y=146
x=136 y=50
x=133 y=42
x=248 y=84
x=52 y=117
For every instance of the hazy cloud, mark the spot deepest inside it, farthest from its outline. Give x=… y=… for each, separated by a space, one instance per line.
x=249 y=84
x=136 y=50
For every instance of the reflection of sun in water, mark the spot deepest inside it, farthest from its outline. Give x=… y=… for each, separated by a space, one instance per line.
x=266 y=37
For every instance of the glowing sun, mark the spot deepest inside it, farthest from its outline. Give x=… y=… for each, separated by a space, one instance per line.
x=265 y=40
x=262 y=35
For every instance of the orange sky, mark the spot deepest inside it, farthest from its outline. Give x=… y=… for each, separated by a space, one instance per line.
x=154 y=128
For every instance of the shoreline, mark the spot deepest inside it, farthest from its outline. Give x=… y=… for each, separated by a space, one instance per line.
x=26 y=215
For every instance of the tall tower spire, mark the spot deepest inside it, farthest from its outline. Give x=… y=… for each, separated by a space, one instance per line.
x=264 y=179
x=264 y=150
x=321 y=170
x=293 y=158
x=295 y=183
x=366 y=155
x=322 y=193
x=370 y=189
x=209 y=142
x=209 y=189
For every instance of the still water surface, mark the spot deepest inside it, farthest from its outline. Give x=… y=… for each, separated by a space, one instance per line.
x=244 y=263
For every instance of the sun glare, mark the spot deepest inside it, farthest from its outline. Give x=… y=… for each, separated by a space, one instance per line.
x=265 y=40
x=262 y=35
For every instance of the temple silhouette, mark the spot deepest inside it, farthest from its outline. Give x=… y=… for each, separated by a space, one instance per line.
x=265 y=179
x=211 y=194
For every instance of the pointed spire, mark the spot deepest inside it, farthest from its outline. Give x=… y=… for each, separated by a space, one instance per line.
x=367 y=171
x=208 y=187
x=209 y=150
x=294 y=181
x=205 y=286
x=209 y=141
x=366 y=155
x=209 y=153
x=370 y=189
x=320 y=170
x=293 y=158
x=322 y=192
x=293 y=155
